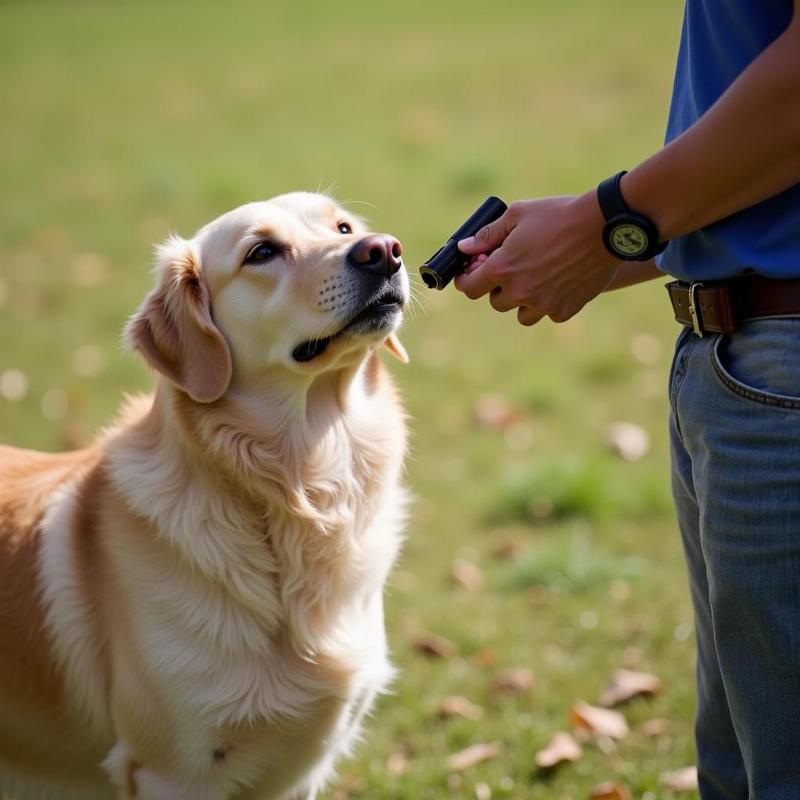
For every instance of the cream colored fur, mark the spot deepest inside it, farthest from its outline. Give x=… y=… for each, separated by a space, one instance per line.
x=191 y=608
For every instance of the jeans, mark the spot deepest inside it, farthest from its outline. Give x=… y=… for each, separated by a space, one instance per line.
x=735 y=438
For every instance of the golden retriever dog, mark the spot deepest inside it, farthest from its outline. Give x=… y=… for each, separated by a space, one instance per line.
x=191 y=607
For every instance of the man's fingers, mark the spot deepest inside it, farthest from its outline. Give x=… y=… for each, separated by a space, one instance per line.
x=477 y=282
x=528 y=316
x=489 y=237
x=475 y=262
x=500 y=300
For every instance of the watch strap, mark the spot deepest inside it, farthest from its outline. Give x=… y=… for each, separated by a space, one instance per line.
x=609 y=196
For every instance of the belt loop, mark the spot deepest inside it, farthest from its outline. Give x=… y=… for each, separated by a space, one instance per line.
x=694 y=308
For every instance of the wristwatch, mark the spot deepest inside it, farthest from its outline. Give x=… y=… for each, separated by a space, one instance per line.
x=627 y=234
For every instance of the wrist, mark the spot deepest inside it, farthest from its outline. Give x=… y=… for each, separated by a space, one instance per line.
x=637 y=189
x=628 y=233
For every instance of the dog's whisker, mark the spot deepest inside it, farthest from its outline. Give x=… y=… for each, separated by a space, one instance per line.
x=331 y=188
x=362 y=203
x=414 y=298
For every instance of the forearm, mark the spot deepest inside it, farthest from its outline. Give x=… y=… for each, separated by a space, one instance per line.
x=745 y=149
x=632 y=272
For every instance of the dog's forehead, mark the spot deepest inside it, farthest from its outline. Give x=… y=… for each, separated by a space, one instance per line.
x=282 y=216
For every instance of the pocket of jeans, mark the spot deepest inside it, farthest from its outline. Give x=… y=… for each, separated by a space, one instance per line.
x=678 y=357
x=761 y=362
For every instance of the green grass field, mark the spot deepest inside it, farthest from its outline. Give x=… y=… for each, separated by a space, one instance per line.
x=124 y=121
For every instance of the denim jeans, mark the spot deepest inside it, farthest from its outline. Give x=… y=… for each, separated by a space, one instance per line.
x=735 y=436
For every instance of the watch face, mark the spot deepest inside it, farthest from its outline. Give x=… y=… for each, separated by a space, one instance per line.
x=628 y=239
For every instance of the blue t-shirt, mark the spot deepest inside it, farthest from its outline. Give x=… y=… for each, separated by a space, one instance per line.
x=720 y=39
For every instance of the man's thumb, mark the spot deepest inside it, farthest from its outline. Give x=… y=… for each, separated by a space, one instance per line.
x=488 y=238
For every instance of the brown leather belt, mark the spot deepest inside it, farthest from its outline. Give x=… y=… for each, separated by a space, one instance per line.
x=722 y=306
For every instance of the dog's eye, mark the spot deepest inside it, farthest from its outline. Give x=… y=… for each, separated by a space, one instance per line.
x=344 y=227
x=262 y=252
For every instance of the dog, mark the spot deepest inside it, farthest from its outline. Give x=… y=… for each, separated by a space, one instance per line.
x=191 y=607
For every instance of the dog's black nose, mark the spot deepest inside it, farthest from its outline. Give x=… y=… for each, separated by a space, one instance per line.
x=378 y=253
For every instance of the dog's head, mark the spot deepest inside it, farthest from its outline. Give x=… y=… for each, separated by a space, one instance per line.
x=293 y=283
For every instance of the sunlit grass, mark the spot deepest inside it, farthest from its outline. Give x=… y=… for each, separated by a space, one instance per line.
x=124 y=121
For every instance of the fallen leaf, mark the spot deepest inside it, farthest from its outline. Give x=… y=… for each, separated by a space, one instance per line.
x=475 y=754
x=433 y=646
x=454 y=782
x=627 y=684
x=539 y=595
x=482 y=791
x=458 y=706
x=517 y=679
x=628 y=440
x=632 y=657
x=655 y=727
x=485 y=658
x=610 y=791
x=494 y=411
x=561 y=748
x=682 y=780
x=397 y=763
x=348 y=785
x=466 y=575
x=598 y=721
x=507 y=549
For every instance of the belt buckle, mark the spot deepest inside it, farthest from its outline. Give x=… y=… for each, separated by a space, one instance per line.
x=694 y=308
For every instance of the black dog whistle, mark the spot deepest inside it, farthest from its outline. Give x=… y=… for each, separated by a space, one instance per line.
x=448 y=260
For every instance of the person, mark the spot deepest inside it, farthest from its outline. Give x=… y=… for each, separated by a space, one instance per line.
x=724 y=196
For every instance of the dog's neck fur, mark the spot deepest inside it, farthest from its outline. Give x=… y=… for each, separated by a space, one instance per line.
x=292 y=471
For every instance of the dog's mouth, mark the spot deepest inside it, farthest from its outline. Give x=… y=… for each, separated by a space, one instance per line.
x=377 y=315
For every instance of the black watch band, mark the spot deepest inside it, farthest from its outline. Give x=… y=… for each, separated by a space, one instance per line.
x=627 y=234
x=609 y=196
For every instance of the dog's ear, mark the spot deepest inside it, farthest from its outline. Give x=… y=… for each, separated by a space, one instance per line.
x=395 y=347
x=174 y=331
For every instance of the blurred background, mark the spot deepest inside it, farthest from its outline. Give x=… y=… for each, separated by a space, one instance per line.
x=542 y=553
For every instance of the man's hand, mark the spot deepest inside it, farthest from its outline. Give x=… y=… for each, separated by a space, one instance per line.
x=544 y=257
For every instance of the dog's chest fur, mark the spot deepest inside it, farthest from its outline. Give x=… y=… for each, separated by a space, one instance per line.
x=254 y=631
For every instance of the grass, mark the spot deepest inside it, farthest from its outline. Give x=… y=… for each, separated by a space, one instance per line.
x=125 y=121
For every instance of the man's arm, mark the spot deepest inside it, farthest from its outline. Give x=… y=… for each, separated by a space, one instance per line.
x=745 y=149
x=632 y=272
x=546 y=257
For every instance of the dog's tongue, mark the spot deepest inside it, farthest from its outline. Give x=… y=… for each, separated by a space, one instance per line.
x=310 y=349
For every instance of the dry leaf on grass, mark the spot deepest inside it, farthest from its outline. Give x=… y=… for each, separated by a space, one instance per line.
x=458 y=706
x=475 y=754
x=483 y=791
x=682 y=780
x=397 y=763
x=561 y=747
x=655 y=727
x=508 y=548
x=628 y=440
x=610 y=791
x=433 y=646
x=485 y=658
x=494 y=411
x=349 y=785
x=627 y=684
x=598 y=721
x=517 y=679
x=466 y=575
